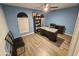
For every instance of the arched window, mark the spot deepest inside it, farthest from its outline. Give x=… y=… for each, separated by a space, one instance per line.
x=23 y=22
x=22 y=14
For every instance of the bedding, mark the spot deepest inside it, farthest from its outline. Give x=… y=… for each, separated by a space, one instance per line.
x=49 y=29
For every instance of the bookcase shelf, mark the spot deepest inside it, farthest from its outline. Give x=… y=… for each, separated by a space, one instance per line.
x=37 y=21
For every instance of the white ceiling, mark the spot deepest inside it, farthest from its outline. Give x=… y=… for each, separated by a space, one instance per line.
x=39 y=6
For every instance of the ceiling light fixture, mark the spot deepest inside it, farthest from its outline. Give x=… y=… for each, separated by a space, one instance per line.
x=46 y=8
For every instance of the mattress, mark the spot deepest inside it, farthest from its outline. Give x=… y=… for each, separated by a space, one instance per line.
x=49 y=29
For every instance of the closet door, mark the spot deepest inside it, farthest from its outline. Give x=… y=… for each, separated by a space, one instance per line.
x=3 y=32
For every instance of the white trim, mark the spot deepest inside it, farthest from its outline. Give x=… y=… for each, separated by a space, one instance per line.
x=27 y=34
x=68 y=34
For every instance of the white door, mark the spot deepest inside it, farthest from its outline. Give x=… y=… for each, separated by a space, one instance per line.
x=3 y=32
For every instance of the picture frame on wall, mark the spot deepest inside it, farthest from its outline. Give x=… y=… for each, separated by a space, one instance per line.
x=34 y=14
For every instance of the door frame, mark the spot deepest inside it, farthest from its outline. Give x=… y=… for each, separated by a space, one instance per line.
x=73 y=50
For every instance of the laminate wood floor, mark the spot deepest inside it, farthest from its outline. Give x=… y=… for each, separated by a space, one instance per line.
x=37 y=45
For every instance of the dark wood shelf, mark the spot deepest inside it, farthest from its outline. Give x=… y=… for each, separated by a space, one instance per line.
x=37 y=21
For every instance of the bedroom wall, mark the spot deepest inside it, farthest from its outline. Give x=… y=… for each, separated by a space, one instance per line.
x=3 y=32
x=66 y=17
x=11 y=16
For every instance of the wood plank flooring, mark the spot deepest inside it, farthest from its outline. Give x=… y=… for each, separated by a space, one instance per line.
x=37 y=45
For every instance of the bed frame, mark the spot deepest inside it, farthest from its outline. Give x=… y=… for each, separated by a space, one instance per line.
x=51 y=35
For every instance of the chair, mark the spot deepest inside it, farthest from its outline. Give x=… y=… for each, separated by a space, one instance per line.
x=12 y=50
x=17 y=43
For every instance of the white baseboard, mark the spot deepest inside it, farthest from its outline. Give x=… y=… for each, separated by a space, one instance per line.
x=28 y=34
x=68 y=34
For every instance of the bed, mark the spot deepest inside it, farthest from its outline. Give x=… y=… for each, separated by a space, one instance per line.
x=50 y=33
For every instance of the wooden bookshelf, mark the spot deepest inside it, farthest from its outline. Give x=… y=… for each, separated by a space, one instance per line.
x=37 y=21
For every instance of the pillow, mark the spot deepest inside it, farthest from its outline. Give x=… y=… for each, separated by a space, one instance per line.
x=52 y=25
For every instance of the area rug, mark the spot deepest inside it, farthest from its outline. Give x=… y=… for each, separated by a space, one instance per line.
x=59 y=42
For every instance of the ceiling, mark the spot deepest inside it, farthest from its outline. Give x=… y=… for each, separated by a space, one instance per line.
x=39 y=6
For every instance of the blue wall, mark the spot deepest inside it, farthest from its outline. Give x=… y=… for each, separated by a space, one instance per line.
x=66 y=17
x=11 y=15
